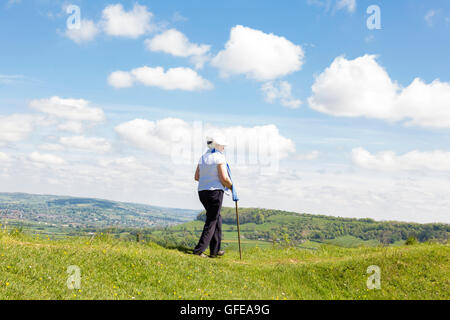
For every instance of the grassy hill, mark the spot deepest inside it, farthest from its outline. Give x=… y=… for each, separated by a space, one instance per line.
x=36 y=268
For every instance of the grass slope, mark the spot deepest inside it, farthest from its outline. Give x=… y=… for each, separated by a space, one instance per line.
x=33 y=268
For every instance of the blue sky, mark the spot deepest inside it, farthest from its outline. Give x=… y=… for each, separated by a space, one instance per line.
x=346 y=108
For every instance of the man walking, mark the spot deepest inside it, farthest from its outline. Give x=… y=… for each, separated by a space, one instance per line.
x=213 y=180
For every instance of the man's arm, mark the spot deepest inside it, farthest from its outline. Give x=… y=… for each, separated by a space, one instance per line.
x=223 y=175
x=197 y=174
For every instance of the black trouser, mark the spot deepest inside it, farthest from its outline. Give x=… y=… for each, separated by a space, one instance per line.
x=212 y=231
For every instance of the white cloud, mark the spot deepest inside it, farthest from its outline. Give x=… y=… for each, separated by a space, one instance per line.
x=369 y=38
x=172 y=79
x=46 y=159
x=13 y=2
x=51 y=147
x=178 y=17
x=121 y=79
x=132 y=24
x=426 y=105
x=173 y=136
x=16 y=127
x=347 y=193
x=309 y=156
x=262 y=144
x=71 y=126
x=87 y=32
x=362 y=88
x=176 y=43
x=311 y=187
x=350 y=5
x=10 y=79
x=282 y=92
x=414 y=160
x=86 y=143
x=258 y=55
x=357 y=87
x=4 y=157
x=68 y=109
x=429 y=17
x=156 y=136
x=125 y=162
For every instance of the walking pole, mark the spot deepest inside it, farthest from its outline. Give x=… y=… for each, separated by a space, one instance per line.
x=239 y=231
x=235 y=199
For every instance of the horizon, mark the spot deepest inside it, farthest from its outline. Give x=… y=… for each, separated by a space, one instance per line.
x=201 y=210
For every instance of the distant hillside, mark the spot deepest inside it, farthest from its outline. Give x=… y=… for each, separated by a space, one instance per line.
x=277 y=224
x=263 y=228
x=81 y=213
x=60 y=216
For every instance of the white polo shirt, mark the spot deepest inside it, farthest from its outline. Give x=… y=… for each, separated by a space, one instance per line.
x=209 y=175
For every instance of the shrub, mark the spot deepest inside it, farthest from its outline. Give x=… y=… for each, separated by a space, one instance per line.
x=411 y=241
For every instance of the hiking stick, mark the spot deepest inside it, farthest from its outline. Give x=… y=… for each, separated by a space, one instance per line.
x=239 y=231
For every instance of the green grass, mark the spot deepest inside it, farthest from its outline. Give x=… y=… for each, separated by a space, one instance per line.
x=352 y=242
x=33 y=268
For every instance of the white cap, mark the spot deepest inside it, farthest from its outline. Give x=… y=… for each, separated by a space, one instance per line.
x=217 y=139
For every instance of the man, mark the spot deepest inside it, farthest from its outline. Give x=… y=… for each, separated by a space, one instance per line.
x=213 y=181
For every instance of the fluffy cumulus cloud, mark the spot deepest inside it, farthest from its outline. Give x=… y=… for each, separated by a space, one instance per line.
x=86 y=143
x=280 y=92
x=411 y=161
x=258 y=55
x=72 y=114
x=263 y=145
x=362 y=88
x=46 y=159
x=121 y=79
x=426 y=105
x=68 y=109
x=16 y=127
x=171 y=79
x=87 y=31
x=176 y=137
x=177 y=44
x=132 y=24
x=115 y=21
x=157 y=136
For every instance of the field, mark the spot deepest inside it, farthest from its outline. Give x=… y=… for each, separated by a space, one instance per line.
x=36 y=268
x=287 y=255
